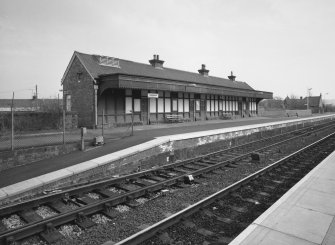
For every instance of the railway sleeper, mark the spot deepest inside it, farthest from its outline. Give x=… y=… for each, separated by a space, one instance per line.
x=132 y=203
x=29 y=216
x=231 y=165
x=208 y=162
x=59 y=206
x=201 y=164
x=109 y=211
x=107 y=194
x=51 y=234
x=83 y=221
x=86 y=200
x=143 y=182
x=3 y=228
x=155 y=178
x=194 y=167
x=127 y=187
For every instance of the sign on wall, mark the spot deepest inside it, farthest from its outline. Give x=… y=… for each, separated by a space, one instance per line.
x=152 y=95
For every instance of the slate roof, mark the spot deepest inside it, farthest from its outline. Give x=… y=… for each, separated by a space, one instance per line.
x=314 y=101
x=91 y=63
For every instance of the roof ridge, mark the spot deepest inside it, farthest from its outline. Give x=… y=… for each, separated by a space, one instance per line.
x=164 y=68
x=143 y=69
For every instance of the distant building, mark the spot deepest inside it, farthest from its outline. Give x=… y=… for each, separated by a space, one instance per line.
x=32 y=105
x=94 y=84
x=315 y=104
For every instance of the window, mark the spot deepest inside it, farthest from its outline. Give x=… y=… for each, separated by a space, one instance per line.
x=208 y=105
x=160 y=105
x=137 y=105
x=174 y=104
x=153 y=108
x=186 y=105
x=68 y=102
x=167 y=105
x=129 y=104
x=180 y=105
x=197 y=105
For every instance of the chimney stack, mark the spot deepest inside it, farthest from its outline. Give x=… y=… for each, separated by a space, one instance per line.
x=155 y=62
x=231 y=77
x=203 y=71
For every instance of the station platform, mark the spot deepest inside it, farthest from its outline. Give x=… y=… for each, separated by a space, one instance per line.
x=27 y=179
x=305 y=215
x=141 y=135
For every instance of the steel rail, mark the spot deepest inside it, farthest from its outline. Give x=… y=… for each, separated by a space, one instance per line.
x=65 y=217
x=149 y=232
x=11 y=208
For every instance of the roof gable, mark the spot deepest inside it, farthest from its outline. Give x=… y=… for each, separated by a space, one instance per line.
x=314 y=101
x=75 y=55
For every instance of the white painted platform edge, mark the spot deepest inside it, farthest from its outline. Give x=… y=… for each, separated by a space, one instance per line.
x=214 y=132
x=242 y=236
x=28 y=184
x=81 y=167
x=54 y=176
x=22 y=186
x=3 y=194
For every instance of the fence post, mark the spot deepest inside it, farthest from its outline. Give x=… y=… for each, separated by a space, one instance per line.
x=132 y=122
x=102 y=123
x=12 y=126
x=63 y=127
x=12 y=133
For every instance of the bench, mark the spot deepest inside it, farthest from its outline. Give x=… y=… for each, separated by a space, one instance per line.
x=174 y=118
x=226 y=116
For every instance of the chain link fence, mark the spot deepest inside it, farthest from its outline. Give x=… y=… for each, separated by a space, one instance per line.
x=20 y=130
x=28 y=129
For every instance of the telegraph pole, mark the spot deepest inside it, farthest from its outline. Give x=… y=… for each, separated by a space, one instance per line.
x=12 y=129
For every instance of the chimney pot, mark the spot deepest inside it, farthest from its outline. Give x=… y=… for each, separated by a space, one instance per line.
x=203 y=71
x=155 y=62
x=231 y=77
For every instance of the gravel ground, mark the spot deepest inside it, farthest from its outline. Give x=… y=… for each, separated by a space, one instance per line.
x=161 y=205
x=13 y=221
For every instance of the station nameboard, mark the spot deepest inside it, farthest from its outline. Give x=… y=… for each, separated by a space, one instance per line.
x=152 y=95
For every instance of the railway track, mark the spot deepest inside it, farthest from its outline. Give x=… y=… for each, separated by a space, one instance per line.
x=44 y=214
x=219 y=218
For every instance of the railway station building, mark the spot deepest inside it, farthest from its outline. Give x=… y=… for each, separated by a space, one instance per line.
x=119 y=91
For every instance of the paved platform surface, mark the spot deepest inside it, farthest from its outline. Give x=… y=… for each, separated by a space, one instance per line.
x=305 y=215
x=142 y=134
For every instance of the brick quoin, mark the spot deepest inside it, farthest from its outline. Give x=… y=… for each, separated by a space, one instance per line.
x=82 y=93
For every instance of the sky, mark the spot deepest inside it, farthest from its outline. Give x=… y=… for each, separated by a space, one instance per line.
x=280 y=46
